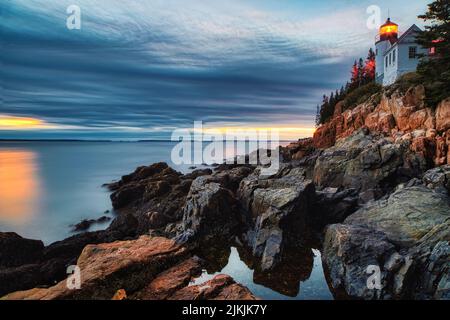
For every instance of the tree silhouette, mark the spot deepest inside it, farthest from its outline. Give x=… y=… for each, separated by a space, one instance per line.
x=435 y=70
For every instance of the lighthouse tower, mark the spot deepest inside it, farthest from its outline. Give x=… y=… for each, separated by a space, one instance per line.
x=387 y=37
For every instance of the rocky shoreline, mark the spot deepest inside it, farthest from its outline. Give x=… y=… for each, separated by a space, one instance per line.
x=372 y=188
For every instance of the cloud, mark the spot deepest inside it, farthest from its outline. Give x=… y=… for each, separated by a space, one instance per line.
x=146 y=66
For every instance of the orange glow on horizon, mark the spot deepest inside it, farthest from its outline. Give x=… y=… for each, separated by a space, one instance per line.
x=10 y=122
x=19 y=185
x=285 y=133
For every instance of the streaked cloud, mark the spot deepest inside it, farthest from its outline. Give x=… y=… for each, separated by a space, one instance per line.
x=141 y=68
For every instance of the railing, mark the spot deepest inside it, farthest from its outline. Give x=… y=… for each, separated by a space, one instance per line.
x=378 y=37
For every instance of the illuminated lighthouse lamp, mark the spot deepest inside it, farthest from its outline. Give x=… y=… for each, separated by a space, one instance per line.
x=389 y=31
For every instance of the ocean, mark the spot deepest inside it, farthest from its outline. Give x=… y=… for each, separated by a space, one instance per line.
x=47 y=186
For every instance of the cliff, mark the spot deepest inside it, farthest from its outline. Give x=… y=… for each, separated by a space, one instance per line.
x=398 y=116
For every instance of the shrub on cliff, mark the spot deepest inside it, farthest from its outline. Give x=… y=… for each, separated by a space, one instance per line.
x=404 y=83
x=361 y=95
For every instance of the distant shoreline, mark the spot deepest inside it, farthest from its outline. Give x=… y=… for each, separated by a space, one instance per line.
x=81 y=140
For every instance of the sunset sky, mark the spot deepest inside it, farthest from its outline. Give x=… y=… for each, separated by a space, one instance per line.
x=140 y=69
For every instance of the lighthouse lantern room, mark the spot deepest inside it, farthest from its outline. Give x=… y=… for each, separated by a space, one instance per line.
x=396 y=55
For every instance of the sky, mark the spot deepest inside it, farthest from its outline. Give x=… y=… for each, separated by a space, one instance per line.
x=141 y=69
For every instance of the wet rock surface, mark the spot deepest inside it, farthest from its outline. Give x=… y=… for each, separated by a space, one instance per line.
x=87 y=223
x=406 y=215
x=371 y=189
x=221 y=287
x=405 y=235
x=16 y=251
x=146 y=268
x=52 y=261
x=279 y=207
x=210 y=210
x=370 y=164
x=348 y=252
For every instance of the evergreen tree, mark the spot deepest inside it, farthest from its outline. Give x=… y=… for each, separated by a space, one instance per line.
x=435 y=70
x=331 y=101
x=355 y=76
x=360 y=72
x=325 y=110
x=369 y=68
x=317 y=116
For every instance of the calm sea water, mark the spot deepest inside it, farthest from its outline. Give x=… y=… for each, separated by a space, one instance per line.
x=47 y=186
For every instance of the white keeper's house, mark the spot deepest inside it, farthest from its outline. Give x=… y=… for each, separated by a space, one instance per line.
x=396 y=55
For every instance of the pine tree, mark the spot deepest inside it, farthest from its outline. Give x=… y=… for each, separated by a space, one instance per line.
x=325 y=109
x=355 y=76
x=331 y=101
x=317 y=116
x=436 y=69
x=360 y=72
x=369 y=68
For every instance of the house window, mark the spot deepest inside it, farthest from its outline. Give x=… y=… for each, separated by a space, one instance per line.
x=390 y=58
x=393 y=55
x=386 y=64
x=412 y=52
x=376 y=52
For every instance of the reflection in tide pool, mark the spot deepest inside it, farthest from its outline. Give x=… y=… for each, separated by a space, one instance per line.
x=19 y=185
x=301 y=278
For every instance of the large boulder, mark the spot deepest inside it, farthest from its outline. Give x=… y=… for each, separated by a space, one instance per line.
x=20 y=262
x=16 y=251
x=49 y=264
x=157 y=194
x=438 y=178
x=348 y=253
x=299 y=149
x=149 y=268
x=406 y=236
x=369 y=163
x=145 y=183
x=20 y=278
x=221 y=287
x=406 y=216
x=108 y=267
x=210 y=211
x=170 y=281
x=230 y=179
x=278 y=207
x=333 y=205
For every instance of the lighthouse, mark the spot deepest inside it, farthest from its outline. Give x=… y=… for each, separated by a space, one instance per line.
x=396 y=55
x=387 y=37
